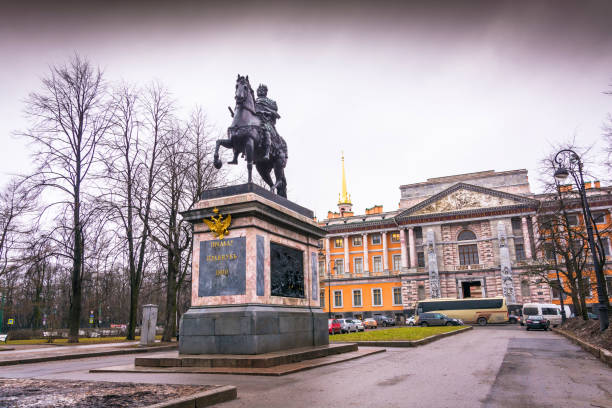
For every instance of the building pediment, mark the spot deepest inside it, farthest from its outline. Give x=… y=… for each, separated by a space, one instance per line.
x=463 y=197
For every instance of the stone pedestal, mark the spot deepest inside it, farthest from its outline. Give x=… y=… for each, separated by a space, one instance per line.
x=148 y=326
x=255 y=290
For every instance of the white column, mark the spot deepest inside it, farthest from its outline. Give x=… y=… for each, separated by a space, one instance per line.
x=413 y=257
x=536 y=234
x=347 y=267
x=403 y=248
x=385 y=253
x=327 y=264
x=526 y=239
x=366 y=258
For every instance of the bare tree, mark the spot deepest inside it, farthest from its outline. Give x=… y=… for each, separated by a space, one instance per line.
x=69 y=118
x=139 y=129
x=563 y=245
x=16 y=201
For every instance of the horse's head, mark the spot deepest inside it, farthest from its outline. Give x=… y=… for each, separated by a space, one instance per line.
x=243 y=90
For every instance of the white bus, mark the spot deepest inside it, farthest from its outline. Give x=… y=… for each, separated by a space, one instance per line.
x=470 y=310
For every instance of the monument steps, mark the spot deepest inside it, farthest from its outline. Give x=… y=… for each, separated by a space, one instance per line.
x=266 y=360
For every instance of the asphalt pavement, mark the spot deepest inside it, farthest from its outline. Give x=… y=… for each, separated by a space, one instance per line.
x=497 y=366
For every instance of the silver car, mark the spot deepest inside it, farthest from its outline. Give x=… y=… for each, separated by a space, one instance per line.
x=347 y=326
x=359 y=324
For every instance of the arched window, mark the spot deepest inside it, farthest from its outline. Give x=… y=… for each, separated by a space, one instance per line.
x=466 y=235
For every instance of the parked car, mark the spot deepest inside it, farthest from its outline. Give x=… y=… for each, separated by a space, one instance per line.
x=548 y=311
x=370 y=323
x=593 y=316
x=537 y=322
x=347 y=325
x=411 y=321
x=437 y=319
x=384 y=320
x=514 y=319
x=359 y=324
x=334 y=326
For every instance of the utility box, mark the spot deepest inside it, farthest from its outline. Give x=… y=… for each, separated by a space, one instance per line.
x=149 y=323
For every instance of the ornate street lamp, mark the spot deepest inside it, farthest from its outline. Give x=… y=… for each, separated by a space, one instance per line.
x=567 y=162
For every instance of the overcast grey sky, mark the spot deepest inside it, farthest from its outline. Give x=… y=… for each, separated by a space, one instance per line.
x=408 y=91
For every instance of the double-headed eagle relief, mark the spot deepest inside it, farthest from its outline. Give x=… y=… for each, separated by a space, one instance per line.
x=253 y=135
x=218 y=225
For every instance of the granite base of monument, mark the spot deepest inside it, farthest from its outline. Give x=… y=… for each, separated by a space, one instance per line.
x=250 y=329
x=254 y=285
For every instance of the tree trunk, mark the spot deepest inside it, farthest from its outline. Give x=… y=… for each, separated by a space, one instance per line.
x=170 y=321
x=134 y=292
x=77 y=265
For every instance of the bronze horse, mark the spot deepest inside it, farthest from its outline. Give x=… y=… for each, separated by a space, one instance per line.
x=246 y=135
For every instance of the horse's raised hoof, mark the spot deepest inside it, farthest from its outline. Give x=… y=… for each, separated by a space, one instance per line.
x=217 y=163
x=233 y=162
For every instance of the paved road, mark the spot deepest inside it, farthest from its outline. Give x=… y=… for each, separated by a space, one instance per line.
x=500 y=366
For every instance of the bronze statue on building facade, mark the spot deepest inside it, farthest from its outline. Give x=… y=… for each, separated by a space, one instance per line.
x=253 y=134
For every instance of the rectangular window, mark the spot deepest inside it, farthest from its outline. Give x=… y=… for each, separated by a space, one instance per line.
x=421 y=292
x=338 y=243
x=517 y=225
x=549 y=252
x=357 y=302
x=377 y=263
x=599 y=217
x=339 y=266
x=322 y=270
x=418 y=233
x=586 y=285
x=322 y=297
x=572 y=219
x=357 y=242
x=421 y=259
x=546 y=222
x=337 y=298
x=397 y=296
x=577 y=247
x=468 y=254
x=358 y=265
x=519 y=249
x=376 y=239
x=609 y=285
x=606 y=246
x=395 y=237
x=377 y=297
x=556 y=289
x=397 y=262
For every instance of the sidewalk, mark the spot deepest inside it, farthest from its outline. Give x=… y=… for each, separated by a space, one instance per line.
x=41 y=353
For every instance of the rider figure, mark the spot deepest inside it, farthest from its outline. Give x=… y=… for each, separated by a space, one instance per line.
x=268 y=110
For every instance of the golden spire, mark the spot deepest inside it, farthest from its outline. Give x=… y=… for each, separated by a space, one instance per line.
x=345 y=198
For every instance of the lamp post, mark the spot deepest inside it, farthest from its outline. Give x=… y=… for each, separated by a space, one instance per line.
x=568 y=162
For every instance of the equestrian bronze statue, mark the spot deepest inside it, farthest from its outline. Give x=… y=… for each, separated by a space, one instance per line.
x=253 y=135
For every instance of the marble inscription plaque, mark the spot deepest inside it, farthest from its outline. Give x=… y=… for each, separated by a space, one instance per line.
x=222 y=267
x=286 y=271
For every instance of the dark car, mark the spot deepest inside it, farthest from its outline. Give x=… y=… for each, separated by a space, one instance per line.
x=384 y=320
x=334 y=326
x=537 y=322
x=513 y=319
x=437 y=319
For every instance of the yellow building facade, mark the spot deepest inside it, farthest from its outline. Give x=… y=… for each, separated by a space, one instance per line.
x=462 y=236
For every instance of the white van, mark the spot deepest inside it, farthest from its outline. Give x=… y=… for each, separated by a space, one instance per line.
x=549 y=311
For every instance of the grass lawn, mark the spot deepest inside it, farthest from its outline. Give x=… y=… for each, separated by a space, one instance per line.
x=82 y=340
x=400 y=333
